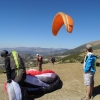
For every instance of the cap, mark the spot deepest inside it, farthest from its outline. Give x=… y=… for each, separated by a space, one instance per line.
x=88 y=46
x=37 y=54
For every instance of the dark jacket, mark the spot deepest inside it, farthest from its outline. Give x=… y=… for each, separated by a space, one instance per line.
x=9 y=72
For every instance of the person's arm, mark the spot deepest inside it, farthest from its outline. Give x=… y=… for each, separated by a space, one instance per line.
x=37 y=62
x=8 y=69
x=42 y=60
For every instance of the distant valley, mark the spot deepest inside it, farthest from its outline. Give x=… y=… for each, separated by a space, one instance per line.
x=37 y=50
x=29 y=53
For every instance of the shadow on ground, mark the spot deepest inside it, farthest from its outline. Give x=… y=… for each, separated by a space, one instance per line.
x=34 y=97
x=96 y=90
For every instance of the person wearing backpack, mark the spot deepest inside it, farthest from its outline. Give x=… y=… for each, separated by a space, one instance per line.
x=14 y=66
x=89 y=72
x=39 y=61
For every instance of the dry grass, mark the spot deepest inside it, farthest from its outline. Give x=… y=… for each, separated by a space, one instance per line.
x=73 y=87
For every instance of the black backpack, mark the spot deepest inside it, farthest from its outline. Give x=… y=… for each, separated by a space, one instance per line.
x=17 y=64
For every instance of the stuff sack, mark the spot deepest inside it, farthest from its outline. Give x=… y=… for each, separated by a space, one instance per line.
x=13 y=90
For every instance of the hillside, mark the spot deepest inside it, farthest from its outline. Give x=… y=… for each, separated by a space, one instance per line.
x=77 y=54
x=81 y=48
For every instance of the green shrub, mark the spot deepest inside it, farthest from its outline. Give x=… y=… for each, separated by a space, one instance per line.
x=73 y=58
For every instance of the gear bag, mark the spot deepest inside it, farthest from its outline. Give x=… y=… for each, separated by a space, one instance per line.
x=18 y=66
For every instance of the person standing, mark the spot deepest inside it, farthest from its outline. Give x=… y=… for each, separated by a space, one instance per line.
x=52 y=60
x=14 y=66
x=39 y=61
x=89 y=71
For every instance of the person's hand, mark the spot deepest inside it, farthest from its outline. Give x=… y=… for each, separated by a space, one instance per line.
x=9 y=81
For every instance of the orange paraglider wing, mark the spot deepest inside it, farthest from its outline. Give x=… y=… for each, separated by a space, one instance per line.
x=62 y=19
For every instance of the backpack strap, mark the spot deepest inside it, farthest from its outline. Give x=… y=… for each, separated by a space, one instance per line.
x=15 y=56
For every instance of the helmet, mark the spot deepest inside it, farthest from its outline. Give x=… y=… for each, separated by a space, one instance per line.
x=4 y=53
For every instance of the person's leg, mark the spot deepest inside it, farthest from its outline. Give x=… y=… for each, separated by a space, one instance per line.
x=92 y=85
x=87 y=96
x=53 y=63
x=40 y=67
x=88 y=89
x=87 y=83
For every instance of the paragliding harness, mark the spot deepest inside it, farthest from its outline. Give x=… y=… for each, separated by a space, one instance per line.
x=18 y=66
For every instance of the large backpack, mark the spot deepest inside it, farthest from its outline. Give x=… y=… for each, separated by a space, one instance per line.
x=17 y=64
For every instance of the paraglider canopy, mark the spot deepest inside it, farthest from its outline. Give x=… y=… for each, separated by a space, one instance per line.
x=62 y=19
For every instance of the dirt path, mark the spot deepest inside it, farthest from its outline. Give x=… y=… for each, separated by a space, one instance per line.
x=73 y=87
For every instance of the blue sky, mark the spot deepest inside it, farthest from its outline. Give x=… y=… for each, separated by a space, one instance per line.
x=28 y=23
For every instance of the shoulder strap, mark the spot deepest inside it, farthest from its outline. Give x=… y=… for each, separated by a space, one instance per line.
x=15 y=55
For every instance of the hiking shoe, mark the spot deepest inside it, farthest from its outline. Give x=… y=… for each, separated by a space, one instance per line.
x=85 y=98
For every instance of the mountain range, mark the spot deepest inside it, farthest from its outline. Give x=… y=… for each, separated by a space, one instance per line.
x=53 y=51
x=28 y=53
x=36 y=50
